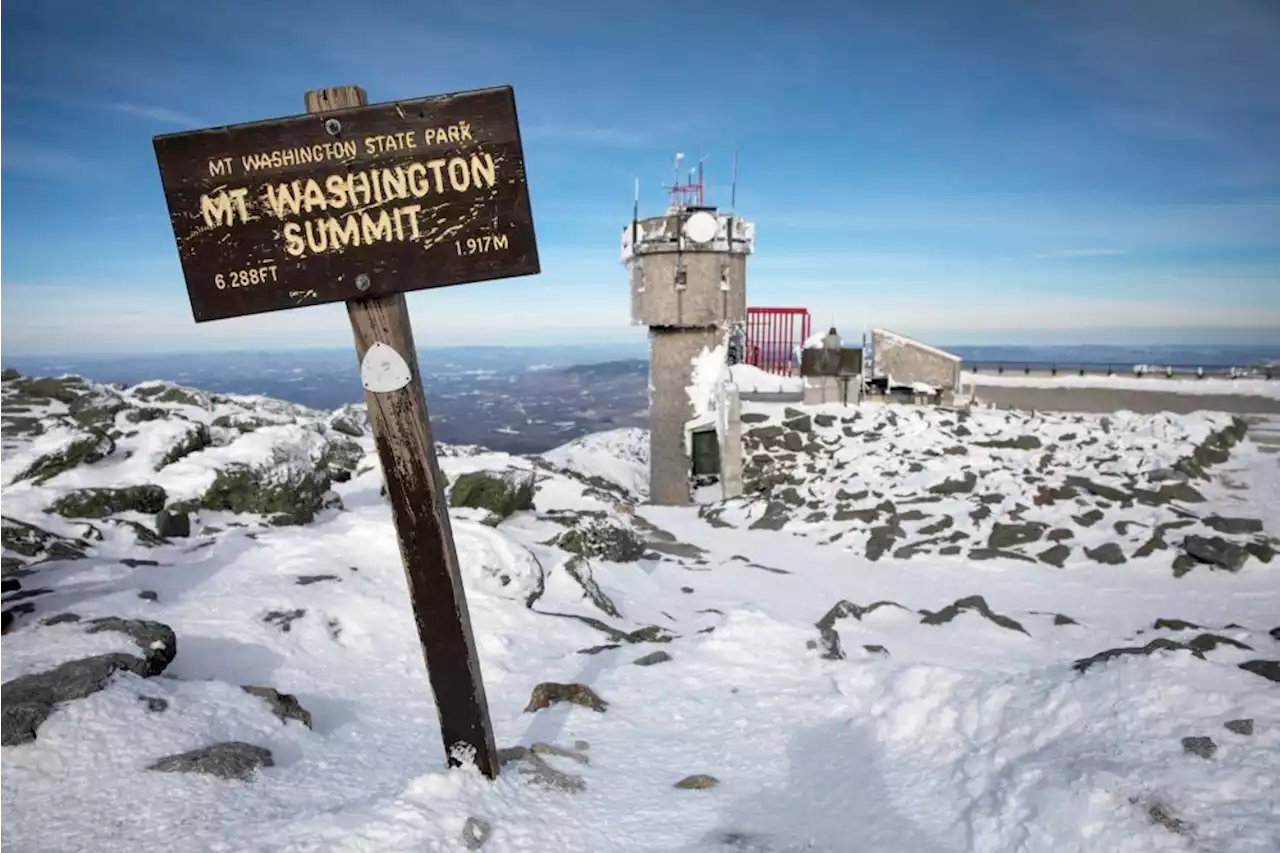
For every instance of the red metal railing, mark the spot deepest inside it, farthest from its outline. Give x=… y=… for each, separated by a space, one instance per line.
x=772 y=336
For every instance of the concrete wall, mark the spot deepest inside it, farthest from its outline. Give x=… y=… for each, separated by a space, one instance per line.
x=657 y=301
x=907 y=361
x=671 y=354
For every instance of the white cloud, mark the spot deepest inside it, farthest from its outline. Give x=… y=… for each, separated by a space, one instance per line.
x=163 y=115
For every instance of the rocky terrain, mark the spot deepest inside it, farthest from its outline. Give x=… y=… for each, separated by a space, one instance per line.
x=919 y=630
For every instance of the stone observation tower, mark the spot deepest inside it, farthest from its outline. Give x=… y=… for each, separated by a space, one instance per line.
x=688 y=272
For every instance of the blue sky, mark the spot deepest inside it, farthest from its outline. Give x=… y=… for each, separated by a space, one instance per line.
x=1010 y=171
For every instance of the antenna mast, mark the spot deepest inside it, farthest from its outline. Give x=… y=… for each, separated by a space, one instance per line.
x=688 y=194
x=733 y=191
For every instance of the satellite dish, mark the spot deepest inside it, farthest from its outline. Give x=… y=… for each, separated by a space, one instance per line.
x=701 y=227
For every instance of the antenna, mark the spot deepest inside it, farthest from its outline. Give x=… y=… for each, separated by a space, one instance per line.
x=733 y=192
x=635 y=215
x=687 y=194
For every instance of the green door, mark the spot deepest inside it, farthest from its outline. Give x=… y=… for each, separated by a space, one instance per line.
x=706 y=453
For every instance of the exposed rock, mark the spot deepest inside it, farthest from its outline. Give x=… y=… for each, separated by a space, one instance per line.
x=308 y=580
x=652 y=658
x=1056 y=555
x=30 y=541
x=1184 y=563
x=1083 y=664
x=603 y=537
x=341 y=456
x=239 y=421
x=158 y=643
x=230 y=760
x=149 y=595
x=285 y=497
x=1088 y=519
x=1203 y=747
x=284 y=619
x=1208 y=642
x=145 y=414
x=99 y=503
x=164 y=392
x=172 y=524
x=998 y=553
x=91 y=446
x=29 y=700
x=475 y=832
x=1158 y=813
x=195 y=437
x=800 y=423
x=64 y=389
x=944 y=523
x=974 y=603
x=535 y=768
x=776 y=515
x=1216 y=551
x=829 y=638
x=952 y=486
x=1232 y=525
x=697 y=782
x=1059 y=534
x=1262 y=550
x=1108 y=553
x=1268 y=669
x=1240 y=727
x=283 y=705
x=882 y=539
x=349 y=420
x=549 y=693
x=1022 y=442
x=580 y=570
x=502 y=494
x=1011 y=535
x=97 y=407
x=155 y=704
x=1174 y=625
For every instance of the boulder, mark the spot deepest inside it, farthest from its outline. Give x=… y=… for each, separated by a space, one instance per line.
x=502 y=494
x=85 y=448
x=99 y=503
x=601 y=537
x=32 y=541
x=230 y=760
x=285 y=495
x=283 y=705
x=29 y=700
x=1216 y=551
x=550 y=693
x=193 y=437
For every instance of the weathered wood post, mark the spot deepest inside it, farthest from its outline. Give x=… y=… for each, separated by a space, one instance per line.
x=407 y=453
x=359 y=204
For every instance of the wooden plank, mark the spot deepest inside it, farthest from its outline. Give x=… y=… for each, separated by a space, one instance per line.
x=407 y=453
x=369 y=200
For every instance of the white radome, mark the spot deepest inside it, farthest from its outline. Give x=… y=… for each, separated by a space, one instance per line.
x=701 y=227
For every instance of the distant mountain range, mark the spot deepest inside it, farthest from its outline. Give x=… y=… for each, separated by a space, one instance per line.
x=524 y=399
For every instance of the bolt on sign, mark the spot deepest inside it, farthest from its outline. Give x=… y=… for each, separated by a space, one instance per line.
x=349 y=204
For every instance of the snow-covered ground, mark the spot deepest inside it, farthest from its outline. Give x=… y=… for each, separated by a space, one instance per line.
x=888 y=645
x=1236 y=387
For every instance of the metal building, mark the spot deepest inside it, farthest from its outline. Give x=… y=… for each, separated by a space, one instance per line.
x=688 y=275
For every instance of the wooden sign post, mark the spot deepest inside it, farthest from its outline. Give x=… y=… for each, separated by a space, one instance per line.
x=360 y=204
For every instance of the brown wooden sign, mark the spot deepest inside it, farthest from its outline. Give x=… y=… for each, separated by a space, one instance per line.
x=351 y=204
